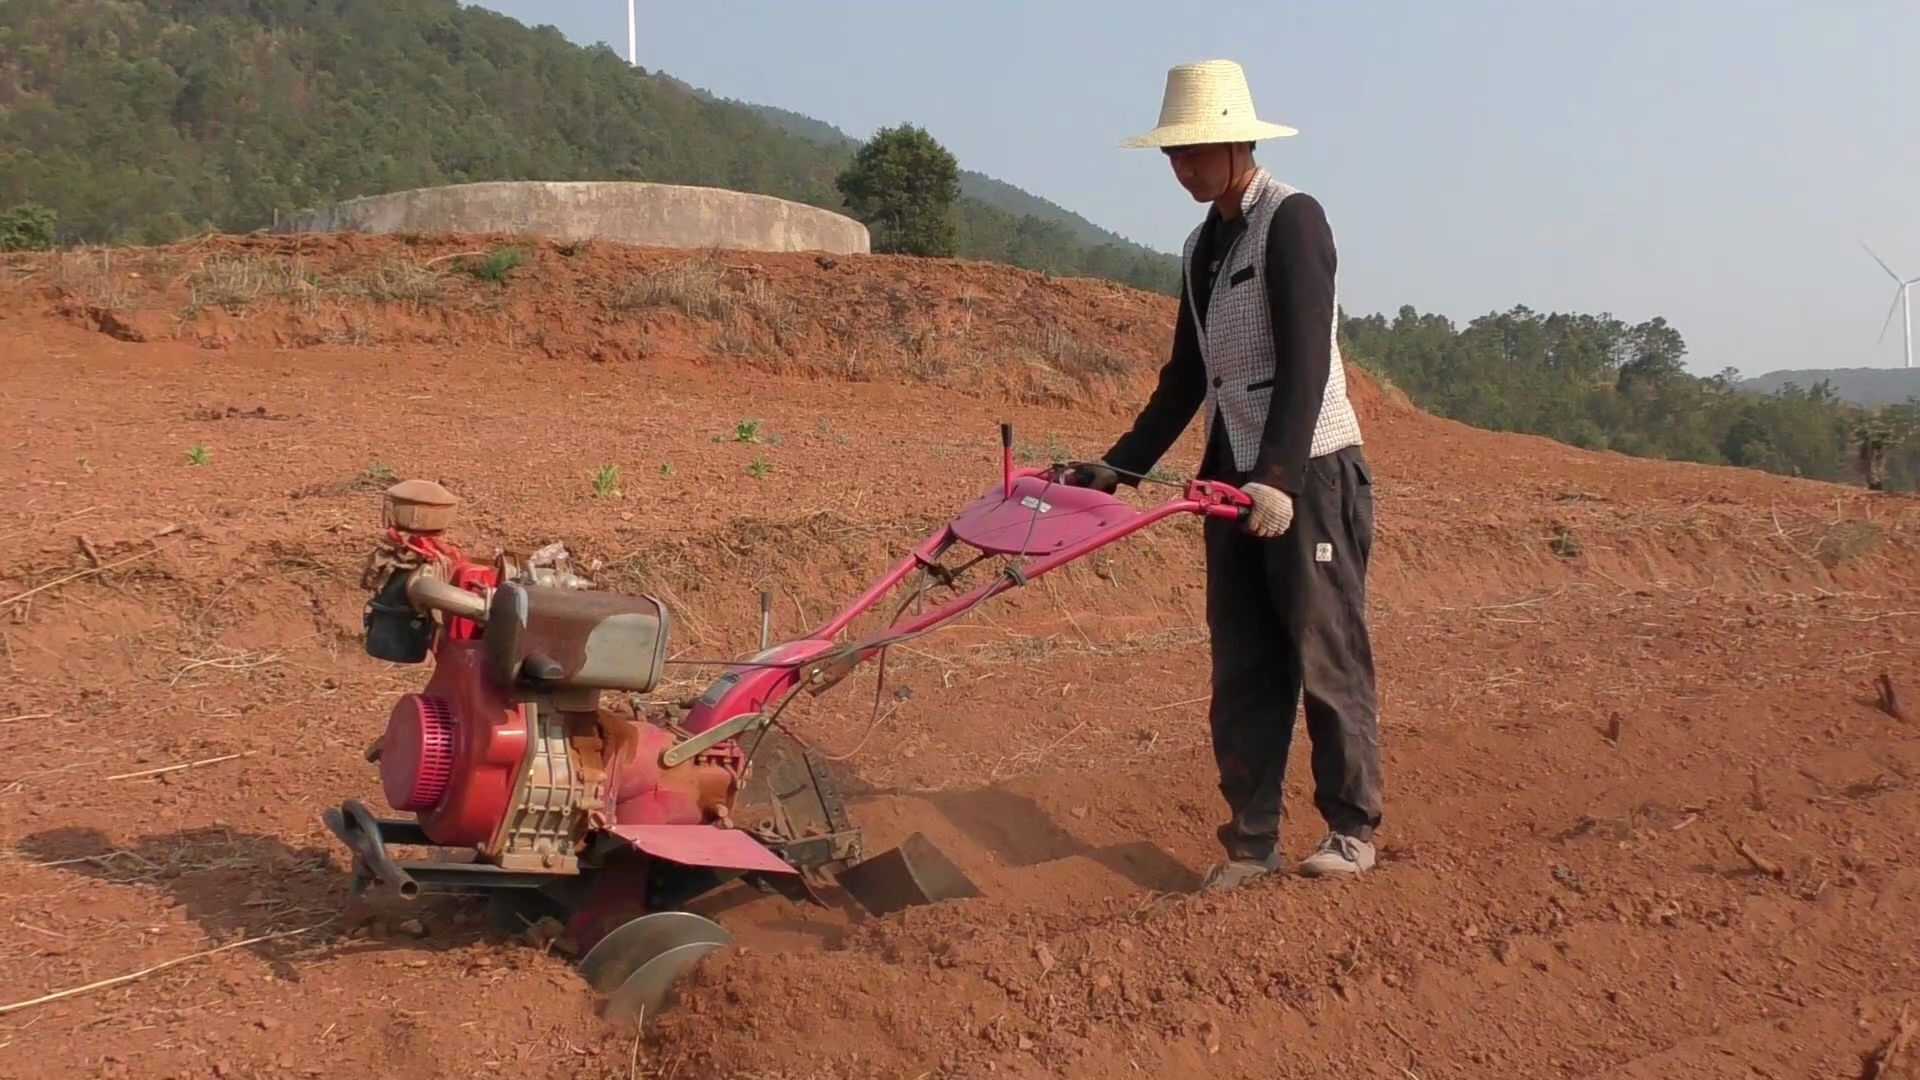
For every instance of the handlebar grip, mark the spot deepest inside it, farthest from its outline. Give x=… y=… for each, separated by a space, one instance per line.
x=1006 y=436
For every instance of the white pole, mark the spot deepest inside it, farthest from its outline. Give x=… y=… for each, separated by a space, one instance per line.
x=1906 y=316
x=633 y=46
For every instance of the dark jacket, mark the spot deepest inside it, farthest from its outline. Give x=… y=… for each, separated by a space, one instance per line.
x=1299 y=277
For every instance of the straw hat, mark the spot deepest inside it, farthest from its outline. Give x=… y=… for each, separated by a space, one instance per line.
x=1208 y=102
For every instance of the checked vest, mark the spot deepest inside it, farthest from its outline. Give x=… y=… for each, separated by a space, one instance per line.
x=1237 y=339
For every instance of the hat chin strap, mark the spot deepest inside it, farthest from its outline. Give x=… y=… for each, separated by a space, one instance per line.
x=1232 y=172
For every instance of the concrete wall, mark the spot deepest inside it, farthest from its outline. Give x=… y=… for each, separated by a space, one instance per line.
x=653 y=215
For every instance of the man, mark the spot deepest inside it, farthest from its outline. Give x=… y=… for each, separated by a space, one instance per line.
x=1286 y=593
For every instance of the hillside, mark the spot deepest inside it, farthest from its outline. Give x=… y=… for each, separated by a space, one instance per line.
x=973 y=185
x=148 y=122
x=1860 y=386
x=1640 y=787
x=1599 y=382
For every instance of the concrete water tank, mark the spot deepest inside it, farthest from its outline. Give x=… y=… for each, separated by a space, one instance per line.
x=650 y=215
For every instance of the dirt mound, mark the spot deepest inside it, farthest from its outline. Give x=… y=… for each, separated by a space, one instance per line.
x=1646 y=815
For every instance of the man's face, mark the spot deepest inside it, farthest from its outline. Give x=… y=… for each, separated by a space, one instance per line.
x=1205 y=170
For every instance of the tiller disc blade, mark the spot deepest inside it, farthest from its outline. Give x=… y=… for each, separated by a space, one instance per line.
x=645 y=990
x=912 y=874
x=636 y=964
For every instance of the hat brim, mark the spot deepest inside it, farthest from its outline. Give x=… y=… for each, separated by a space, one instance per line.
x=1200 y=134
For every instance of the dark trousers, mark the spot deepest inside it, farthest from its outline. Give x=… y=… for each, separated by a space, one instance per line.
x=1287 y=615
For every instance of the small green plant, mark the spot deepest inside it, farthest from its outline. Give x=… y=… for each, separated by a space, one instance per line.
x=199 y=454
x=570 y=248
x=825 y=429
x=379 y=475
x=666 y=468
x=1565 y=544
x=606 y=482
x=759 y=468
x=496 y=266
x=747 y=431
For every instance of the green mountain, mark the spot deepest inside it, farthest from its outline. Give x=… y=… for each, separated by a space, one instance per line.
x=145 y=122
x=973 y=185
x=1861 y=386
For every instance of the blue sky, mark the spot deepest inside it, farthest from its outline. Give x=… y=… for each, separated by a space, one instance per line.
x=1715 y=163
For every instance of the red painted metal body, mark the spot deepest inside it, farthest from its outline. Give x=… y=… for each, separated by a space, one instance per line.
x=1027 y=509
x=1036 y=517
x=460 y=571
x=687 y=794
x=638 y=797
x=703 y=845
x=416 y=757
x=748 y=687
x=489 y=740
x=473 y=577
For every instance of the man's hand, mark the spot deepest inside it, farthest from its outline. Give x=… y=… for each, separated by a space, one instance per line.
x=1098 y=475
x=1272 y=510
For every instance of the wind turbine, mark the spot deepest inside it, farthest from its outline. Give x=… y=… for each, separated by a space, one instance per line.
x=633 y=48
x=1902 y=299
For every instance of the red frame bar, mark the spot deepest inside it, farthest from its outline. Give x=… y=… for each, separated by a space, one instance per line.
x=756 y=684
x=1203 y=497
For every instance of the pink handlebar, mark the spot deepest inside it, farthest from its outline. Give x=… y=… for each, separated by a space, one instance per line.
x=754 y=684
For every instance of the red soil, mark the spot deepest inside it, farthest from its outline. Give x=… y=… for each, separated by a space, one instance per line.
x=1602 y=679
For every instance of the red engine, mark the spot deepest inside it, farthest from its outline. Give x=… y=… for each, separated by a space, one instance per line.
x=510 y=753
x=508 y=748
x=451 y=752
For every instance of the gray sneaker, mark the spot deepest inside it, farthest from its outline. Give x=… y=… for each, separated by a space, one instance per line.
x=1237 y=872
x=1338 y=854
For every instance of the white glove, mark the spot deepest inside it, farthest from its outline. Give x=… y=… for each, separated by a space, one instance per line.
x=1272 y=510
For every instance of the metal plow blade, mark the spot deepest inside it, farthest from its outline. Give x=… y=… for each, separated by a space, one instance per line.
x=636 y=965
x=912 y=874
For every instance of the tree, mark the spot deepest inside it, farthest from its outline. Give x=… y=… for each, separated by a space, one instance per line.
x=27 y=227
x=1874 y=437
x=1595 y=381
x=903 y=185
x=1654 y=352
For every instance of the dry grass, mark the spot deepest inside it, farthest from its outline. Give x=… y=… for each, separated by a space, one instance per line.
x=772 y=309
x=698 y=288
x=402 y=281
x=98 y=277
x=235 y=282
x=1081 y=361
x=694 y=288
x=1037 y=367
x=732 y=340
x=1844 y=541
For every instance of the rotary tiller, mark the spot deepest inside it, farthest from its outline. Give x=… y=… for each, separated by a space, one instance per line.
x=526 y=787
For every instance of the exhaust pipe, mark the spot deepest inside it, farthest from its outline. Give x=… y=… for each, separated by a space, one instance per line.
x=427 y=592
